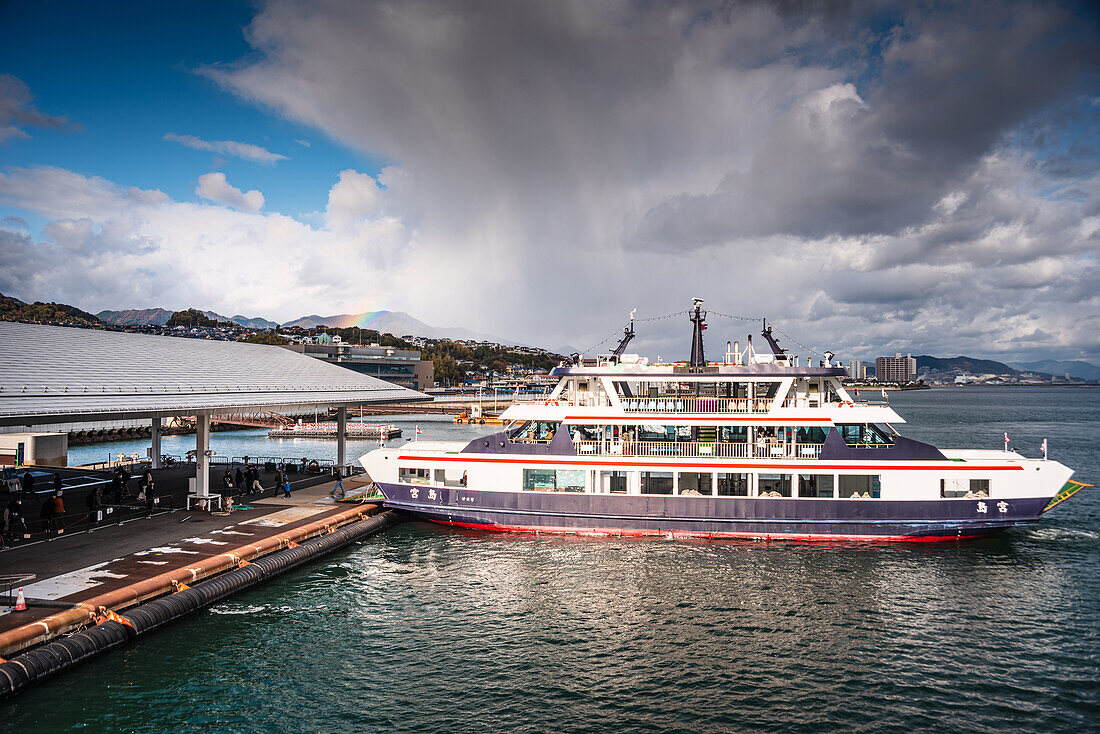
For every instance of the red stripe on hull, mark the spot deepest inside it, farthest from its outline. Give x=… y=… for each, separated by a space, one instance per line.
x=636 y=533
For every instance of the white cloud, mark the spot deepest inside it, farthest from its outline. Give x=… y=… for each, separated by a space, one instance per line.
x=352 y=199
x=215 y=187
x=110 y=247
x=244 y=151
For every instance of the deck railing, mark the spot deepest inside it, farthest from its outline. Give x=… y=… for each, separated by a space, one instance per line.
x=699 y=449
x=697 y=405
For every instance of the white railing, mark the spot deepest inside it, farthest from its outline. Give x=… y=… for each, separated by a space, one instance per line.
x=697 y=405
x=699 y=449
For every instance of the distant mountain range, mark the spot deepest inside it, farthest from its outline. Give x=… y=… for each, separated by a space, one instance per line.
x=964 y=364
x=1078 y=369
x=1084 y=370
x=397 y=323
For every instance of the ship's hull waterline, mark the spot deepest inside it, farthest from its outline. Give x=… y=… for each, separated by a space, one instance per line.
x=714 y=517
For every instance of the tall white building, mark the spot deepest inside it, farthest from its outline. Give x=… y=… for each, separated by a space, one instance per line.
x=857 y=370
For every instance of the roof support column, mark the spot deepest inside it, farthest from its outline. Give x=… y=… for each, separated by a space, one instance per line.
x=154 y=435
x=341 y=438
x=202 y=461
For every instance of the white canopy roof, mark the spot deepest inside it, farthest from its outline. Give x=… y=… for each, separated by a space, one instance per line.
x=55 y=374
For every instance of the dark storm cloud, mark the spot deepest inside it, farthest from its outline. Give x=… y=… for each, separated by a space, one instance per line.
x=875 y=157
x=875 y=177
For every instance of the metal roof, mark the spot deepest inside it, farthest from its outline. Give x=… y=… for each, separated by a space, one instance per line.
x=55 y=374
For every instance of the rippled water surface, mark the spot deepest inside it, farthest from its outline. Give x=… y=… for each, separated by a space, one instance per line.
x=432 y=629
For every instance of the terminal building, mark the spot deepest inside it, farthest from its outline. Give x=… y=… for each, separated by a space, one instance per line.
x=897 y=369
x=402 y=367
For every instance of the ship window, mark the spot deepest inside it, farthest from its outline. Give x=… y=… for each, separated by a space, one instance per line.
x=859 y=485
x=811 y=434
x=550 y=480
x=694 y=483
x=766 y=389
x=535 y=432
x=656 y=482
x=775 y=485
x=979 y=487
x=815 y=485
x=864 y=435
x=733 y=485
x=570 y=480
x=652 y=432
x=733 y=434
x=613 y=482
x=412 y=476
x=454 y=480
x=951 y=488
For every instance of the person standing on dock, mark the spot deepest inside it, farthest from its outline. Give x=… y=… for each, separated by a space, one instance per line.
x=93 y=503
x=52 y=510
x=13 y=520
x=285 y=479
x=338 y=492
x=254 y=481
x=242 y=482
x=57 y=486
x=227 y=481
x=150 y=492
x=27 y=484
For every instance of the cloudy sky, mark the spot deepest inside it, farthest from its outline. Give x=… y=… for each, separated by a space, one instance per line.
x=881 y=177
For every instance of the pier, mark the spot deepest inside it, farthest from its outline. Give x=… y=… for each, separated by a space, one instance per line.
x=98 y=590
x=107 y=565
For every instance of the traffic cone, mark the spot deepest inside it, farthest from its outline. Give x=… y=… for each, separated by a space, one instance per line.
x=20 y=601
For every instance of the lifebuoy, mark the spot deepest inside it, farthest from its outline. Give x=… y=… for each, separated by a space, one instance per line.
x=847 y=404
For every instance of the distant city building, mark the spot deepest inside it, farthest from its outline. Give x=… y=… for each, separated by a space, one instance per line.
x=896 y=369
x=400 y=366
x=857 y=370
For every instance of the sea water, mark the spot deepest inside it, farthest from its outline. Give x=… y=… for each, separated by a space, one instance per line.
x=431 y=629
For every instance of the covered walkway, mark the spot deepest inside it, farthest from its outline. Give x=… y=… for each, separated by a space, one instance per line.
x=52 y=375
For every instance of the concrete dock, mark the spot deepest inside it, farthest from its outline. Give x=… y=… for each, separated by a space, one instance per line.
x=76 y=568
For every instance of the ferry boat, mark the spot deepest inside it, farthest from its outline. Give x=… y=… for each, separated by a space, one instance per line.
x=755 y=446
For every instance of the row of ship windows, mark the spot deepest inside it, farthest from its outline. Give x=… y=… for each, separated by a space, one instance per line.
x=703 y=484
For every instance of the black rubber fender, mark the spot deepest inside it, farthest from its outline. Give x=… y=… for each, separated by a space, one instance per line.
x=53 y=657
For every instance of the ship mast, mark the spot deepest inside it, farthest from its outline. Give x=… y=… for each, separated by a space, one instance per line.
x=628 y=334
